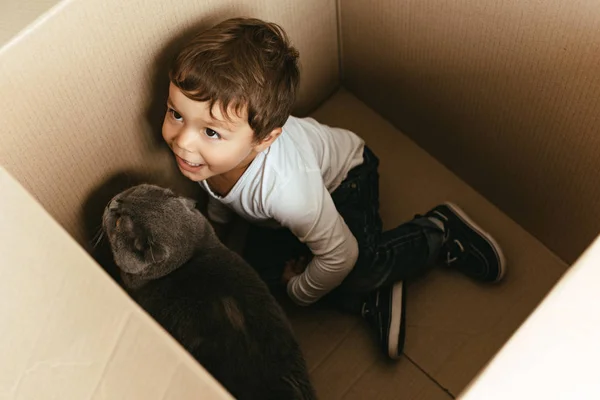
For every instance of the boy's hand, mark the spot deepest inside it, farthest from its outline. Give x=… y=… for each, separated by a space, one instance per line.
x=293 y=268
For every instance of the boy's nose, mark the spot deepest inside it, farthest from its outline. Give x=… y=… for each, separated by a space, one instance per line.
x=185 y=140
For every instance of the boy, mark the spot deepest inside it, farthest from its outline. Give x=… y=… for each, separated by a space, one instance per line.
x=312 y=188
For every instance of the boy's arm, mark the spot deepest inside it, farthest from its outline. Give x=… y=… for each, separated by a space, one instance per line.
x=307 y=209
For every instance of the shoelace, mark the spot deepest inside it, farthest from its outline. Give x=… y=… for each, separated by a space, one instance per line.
x=369 y=313
x=452 y=258
x=449 y=257
x=365 y=312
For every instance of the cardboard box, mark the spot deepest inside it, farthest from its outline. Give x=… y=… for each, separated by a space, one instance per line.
x=554 y=354
x=488 y=104
x=504 y=93
x=68 y=332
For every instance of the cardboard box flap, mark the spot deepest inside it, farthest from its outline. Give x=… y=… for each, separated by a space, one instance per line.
x=68 y=331
x=17 y=15
x=554 y=354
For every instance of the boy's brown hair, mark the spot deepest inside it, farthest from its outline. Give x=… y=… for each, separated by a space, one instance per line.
x=243 y=63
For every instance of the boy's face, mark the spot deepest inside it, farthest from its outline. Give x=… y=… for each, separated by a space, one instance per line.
x=205 y=146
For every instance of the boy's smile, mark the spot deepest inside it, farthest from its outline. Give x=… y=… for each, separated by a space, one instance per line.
x=188 y=166
x=206 y=146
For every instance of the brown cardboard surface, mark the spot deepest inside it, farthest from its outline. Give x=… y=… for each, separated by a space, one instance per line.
x=345 y=363
x=505 y=93
x=454 y=326
x=554 y=353
x=68 y=332
x=85 y=98
x=16 y=15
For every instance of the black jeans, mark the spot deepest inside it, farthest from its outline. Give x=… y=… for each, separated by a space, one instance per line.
x=384 y=258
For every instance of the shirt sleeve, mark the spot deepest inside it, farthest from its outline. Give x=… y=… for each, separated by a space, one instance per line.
x=218 y=212
x=306 y=208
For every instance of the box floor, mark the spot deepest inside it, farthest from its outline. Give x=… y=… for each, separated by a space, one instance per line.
x=454 y=325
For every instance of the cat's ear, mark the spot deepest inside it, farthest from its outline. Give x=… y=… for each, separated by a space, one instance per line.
x=188 y=203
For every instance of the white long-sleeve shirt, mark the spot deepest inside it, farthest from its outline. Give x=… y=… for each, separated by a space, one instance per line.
x=289 y=185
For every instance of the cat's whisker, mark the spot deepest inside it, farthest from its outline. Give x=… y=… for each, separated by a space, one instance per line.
x=150 y=243
x=152 y=253
x=99 y=236
x=98 y=233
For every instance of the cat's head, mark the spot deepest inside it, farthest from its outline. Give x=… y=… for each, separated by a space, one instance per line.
x=152 y=231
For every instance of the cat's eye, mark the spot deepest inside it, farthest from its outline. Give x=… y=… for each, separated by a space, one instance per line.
x=118 y=222
x=212 y=134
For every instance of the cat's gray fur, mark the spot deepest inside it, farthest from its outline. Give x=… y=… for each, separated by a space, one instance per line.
x=205 y=295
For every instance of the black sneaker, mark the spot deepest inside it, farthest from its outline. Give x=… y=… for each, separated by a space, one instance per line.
x=467 y=247
x=385 y=312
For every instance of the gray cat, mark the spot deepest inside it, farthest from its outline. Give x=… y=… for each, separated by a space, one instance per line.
x=205 y=295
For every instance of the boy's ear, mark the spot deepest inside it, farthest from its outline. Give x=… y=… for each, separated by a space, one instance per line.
x=268 y=140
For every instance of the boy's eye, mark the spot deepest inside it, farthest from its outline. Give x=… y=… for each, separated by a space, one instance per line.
x=176 y=116
x=212 y=134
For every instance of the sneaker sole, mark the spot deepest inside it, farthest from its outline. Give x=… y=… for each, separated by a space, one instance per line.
x=395 y=322
x=489 y=238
